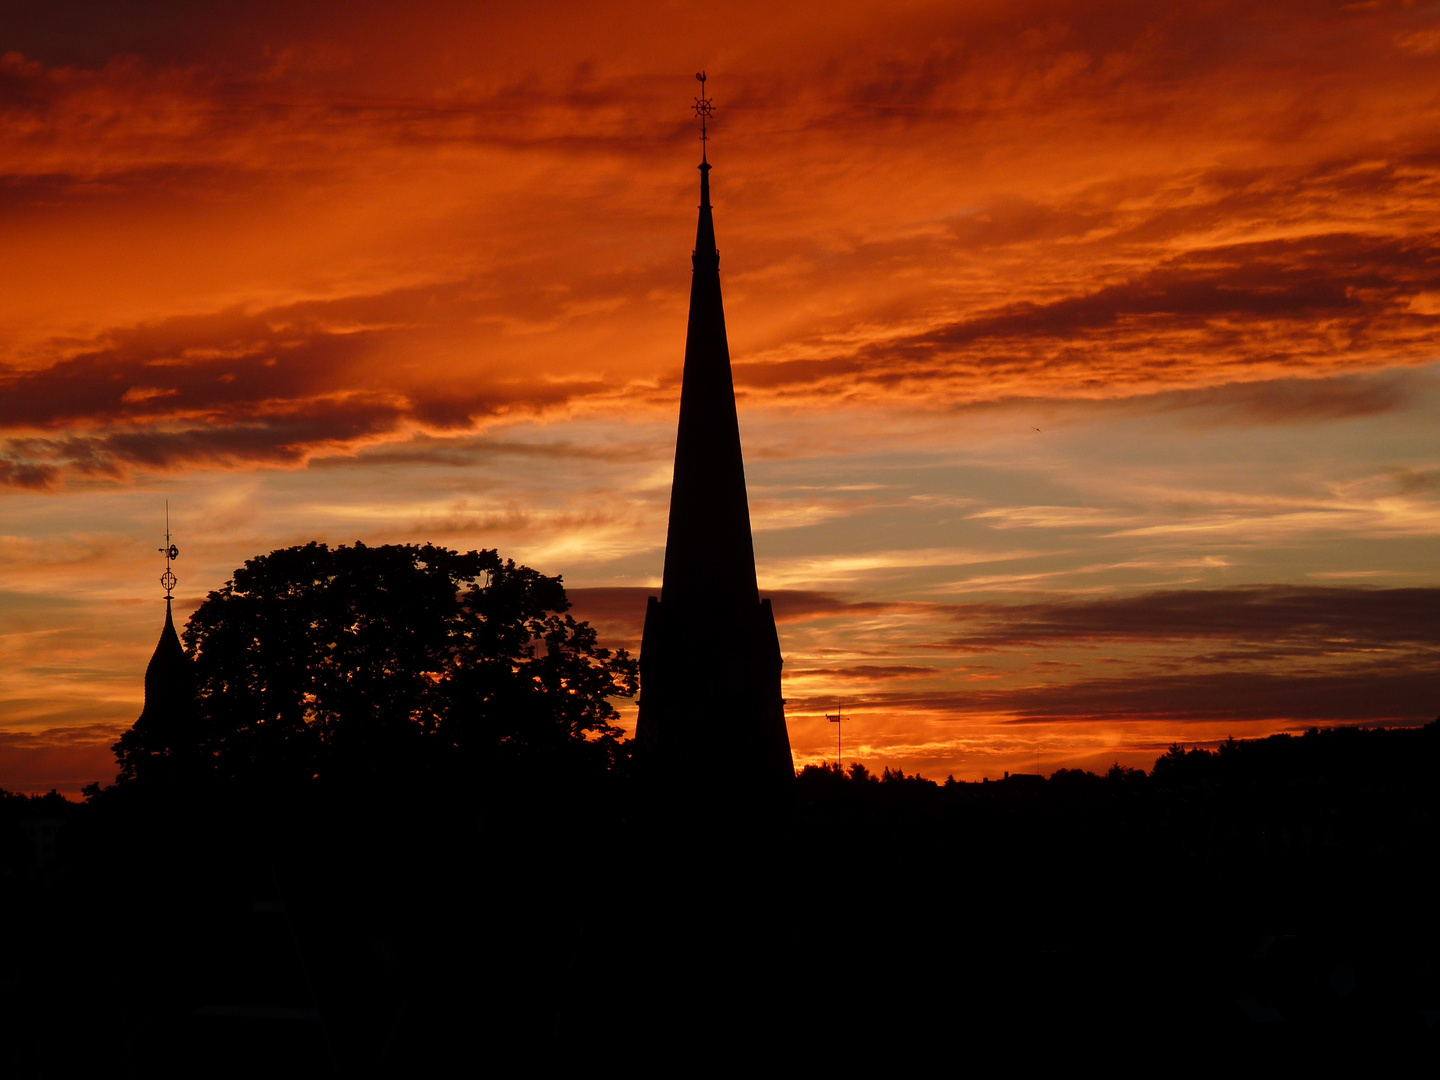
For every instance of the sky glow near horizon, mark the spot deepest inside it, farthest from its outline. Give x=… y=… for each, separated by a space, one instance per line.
x=1088 y=356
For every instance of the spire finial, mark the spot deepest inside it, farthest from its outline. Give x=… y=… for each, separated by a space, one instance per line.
x=171 y=553
x=704 y=108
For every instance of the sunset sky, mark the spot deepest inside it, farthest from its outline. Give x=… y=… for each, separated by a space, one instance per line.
x=1088 y=355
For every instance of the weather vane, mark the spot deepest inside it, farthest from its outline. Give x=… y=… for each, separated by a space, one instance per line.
x=704 y=109
x=171 y=553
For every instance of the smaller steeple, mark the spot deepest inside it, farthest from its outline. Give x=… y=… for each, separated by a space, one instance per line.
x=161 y=738
x=168 y=668
x=168 y=673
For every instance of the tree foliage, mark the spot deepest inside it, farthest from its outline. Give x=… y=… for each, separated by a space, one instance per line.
x=370 y=661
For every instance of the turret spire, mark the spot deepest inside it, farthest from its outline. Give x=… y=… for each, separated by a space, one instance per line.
x=169 y=641
x=163 y=734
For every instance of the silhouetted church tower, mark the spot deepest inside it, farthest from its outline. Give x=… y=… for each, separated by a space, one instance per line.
x=710 y=660
x=168 y=679
x=165 y=724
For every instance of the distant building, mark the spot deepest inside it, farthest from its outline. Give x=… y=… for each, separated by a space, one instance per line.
x=1024 y=778
x=710 y=658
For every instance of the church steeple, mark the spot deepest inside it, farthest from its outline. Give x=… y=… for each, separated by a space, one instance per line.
x=160 y=744
x=710 y=658
x=167 y=678
x=709 y=552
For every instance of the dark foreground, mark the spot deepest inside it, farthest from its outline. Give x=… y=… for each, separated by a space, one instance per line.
x=1277 y=904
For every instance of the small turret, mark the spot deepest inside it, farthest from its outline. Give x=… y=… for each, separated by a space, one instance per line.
x=169 y=680
x=163 y=738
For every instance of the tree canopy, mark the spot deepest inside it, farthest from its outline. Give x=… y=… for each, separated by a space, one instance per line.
x=367 y=662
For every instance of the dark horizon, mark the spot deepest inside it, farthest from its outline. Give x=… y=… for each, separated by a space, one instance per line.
x=1268 y=898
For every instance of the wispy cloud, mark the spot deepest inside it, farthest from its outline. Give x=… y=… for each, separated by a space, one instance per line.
x=1284 y=617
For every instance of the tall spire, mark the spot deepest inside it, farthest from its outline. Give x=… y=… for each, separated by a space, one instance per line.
x=710 y=658
x=709 y=552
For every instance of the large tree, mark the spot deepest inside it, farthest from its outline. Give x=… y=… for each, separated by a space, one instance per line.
x=373 y=661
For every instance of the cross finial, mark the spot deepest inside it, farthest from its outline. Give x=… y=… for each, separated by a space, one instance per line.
x=171 y=553
x=704 y=108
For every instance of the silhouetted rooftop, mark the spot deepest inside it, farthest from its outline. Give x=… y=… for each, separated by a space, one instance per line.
x=168 y=675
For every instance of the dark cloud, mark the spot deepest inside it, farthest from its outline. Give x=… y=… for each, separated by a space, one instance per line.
x=125 y=115
x=1288 y=619
x=1333 y=296
x=285 y=439
x=1406 y=696
x=1308 y=654
x=1140 y=60
x=1409 y=696
x=1275 y=401
x=1338 y=275
x=1009 y=219
x=465 y=450
x=622 y=608
x=236 y=387
x=459 y=409
x=275 y=387
x=797 y=605
x=28 y=475
x=465 y=73
x=868 y=672
x=1411 y=481
x=210 y=99
x=222 y=364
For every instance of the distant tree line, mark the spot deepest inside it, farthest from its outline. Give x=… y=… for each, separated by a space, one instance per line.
x=545 y=717
x=1351 y=787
